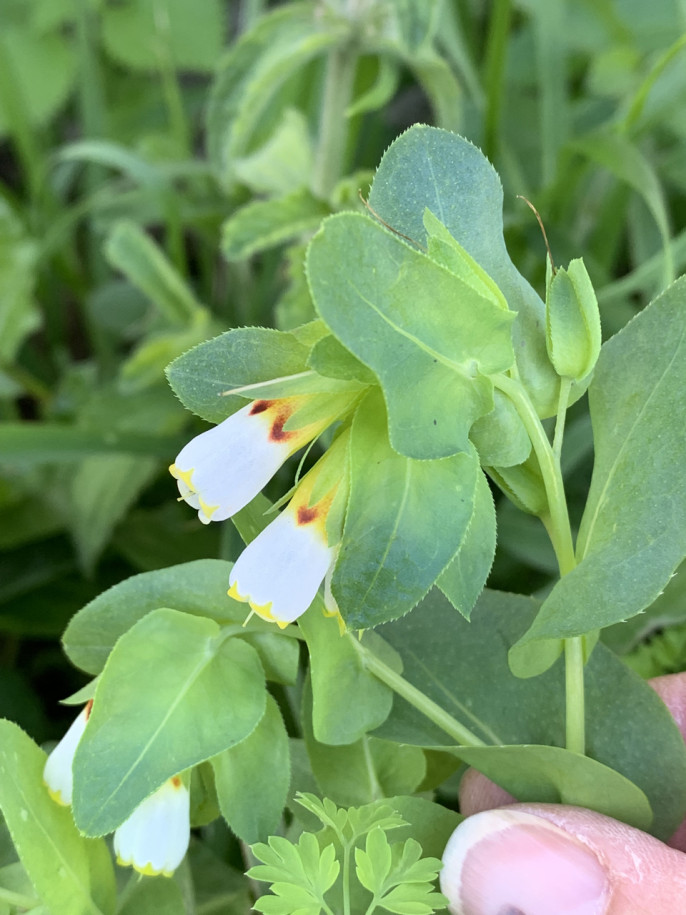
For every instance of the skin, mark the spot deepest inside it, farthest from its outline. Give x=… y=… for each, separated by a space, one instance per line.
x=643 y=874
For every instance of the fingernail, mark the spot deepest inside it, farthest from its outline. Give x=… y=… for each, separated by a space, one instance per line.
x=505 y=862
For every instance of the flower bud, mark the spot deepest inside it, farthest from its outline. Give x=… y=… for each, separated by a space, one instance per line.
x=572 y=322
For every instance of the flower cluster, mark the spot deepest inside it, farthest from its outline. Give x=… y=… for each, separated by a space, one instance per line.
x=154 y=839
x=221 y=470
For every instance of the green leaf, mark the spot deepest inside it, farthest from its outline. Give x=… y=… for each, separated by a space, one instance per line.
x=57 y=859
x=463 y=667
x=387 y=304
x=198 y=588
x=102 y=490
x=252 y=778
x=347 y=700
x=254 y=71
x=19 y=315
x=131 y=250
x=141 y=733
x=427 y=167
x=241 y=357
x=301 y=874
x=29 y=443
x=380 y=92
x=264 y=224
x=464 y=578
x=373 y=864
x=614 y=151
x=153 y=896
x=633 y=532
x=329 y=357
x=359 y=772
x=500 y=436
x=42 y=68
x=390 y=554
x=284 y=162
x=553 y=775
x=428 y=823
x=140 y=33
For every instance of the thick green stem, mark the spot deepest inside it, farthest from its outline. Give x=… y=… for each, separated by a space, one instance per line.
x=333 y=125
x=560 y=533
x=416 y=697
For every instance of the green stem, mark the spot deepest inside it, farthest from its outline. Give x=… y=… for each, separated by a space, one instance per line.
x=560 y=533
x=562 y=403
x=574 y=695
x=18 y=899
x=494 y=72
x=333 y=124
x=559 y=528
x=430 y=709
x=346 y=879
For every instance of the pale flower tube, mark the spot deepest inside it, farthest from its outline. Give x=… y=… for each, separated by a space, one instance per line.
x=221 y=470
x=57 y=773
x=155 y=837
x=279 y=573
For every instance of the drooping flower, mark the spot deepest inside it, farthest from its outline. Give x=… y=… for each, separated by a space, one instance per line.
x=221 y=470
x=57 y=773
x=155 y=837
x=280 y=571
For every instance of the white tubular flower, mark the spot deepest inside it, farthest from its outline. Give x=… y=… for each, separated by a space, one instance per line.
x=221 y=470
x=155 y=837
x=280 y=571
x=57 y=773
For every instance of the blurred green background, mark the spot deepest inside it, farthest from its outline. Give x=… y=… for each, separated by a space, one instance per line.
x=163 y=163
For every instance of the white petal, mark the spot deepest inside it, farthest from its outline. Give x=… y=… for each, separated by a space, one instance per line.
x=282 y=568
x=57 y=773
x=155 y=837
x=227 y=466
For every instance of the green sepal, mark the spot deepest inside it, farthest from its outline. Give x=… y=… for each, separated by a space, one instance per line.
x=523 y=485
x=500 y=436
x=573 y=336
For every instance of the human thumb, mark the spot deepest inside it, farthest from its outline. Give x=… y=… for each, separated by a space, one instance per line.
x=545 y=859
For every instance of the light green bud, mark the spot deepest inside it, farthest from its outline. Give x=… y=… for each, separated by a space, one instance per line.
x=572 y=322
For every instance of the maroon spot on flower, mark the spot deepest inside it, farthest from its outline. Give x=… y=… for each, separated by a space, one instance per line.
x=277 y=433
x=260 y=406
x=307 y=515
x=89 y=708
x=176 y=781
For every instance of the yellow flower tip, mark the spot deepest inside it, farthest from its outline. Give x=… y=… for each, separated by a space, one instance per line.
x=264 y=611
x=207 y=510
x=56 y=795
x=183 y=475
x=282 y=624
x=233 y=592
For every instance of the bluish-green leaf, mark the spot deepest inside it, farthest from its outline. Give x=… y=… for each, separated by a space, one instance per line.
x=143 y=731
x=633 y=532
x=55 y=856
x=463 y=667
x=240 y=357
x=264 y=224
x=405 y=521
x=464 y=578
x=429 y=337
x=347 y=700
x=428 y=167
x=252 y=778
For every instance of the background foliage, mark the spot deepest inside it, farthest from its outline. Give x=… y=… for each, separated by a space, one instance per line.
x=163 y=166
